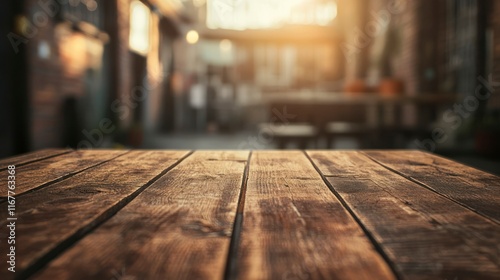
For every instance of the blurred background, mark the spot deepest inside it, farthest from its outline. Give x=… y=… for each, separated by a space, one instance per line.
x=252 y=74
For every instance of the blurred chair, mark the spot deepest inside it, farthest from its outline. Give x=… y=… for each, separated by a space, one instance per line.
x=345 y=120
x=291 y=123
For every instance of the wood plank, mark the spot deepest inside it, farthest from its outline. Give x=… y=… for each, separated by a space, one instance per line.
x=473 y=188
x=178 y=228
x=295 y=228
x=53 y=218
x=41 y=173
x=31 y=157
x=426 y=235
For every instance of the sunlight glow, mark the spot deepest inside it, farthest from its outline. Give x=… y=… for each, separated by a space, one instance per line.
x=225 y=45
x=139 y=27
x=260 y=14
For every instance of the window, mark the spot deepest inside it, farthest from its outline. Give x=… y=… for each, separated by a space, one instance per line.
x=259 y=14
x=139 y=27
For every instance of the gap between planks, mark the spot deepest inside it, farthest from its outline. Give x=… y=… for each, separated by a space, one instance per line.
x=102 y=218
x=62 y=178
x=370 y=236
x=424 y=185
x=22 y=163
x=231 y=270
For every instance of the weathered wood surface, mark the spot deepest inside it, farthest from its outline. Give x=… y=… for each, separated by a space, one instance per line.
x=179 y=227
x=31 y=157
x=426 y=235
x=259 y=215
x=44 y=172
x=295 y=228
x=468 y=186
x=51 y=218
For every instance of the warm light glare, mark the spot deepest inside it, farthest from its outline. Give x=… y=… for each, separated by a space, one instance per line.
x=139 y=27
x=225 y=45
x=192 y=37
x=258 y=14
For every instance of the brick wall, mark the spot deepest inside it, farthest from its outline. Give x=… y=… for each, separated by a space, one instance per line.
x=124 y=81
x=430 y=46
x=407 y=19
x=355 y=42
x=49 y=81
x=406 y=65
x=422 y=27
x=61 y=75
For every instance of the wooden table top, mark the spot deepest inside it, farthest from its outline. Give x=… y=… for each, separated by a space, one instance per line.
x=249 y=215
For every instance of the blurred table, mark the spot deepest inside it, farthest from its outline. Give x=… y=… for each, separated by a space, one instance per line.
x=249 y=215
x=376 y=105
x=374 y=120
x=343 y=97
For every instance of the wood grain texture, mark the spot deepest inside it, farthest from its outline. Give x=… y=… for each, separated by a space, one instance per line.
x=426 y=235
x=51 y=219
x=312 y=215
x=295 y=228
x=178 y=228
x=41 y=173
x=31 y=157
x=473 y=188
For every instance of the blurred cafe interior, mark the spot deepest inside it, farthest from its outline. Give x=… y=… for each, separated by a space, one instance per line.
x=252 y=74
